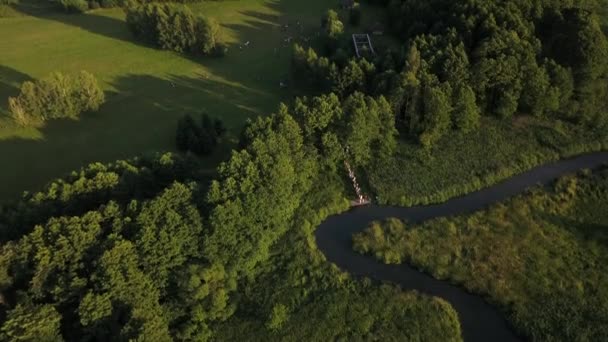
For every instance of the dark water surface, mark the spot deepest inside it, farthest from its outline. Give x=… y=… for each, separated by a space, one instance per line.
x=479 y=320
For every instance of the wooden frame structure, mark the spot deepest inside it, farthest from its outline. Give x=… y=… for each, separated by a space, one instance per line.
x=362 y=41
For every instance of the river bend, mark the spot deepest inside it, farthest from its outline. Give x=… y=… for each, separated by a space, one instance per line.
x=479 y=320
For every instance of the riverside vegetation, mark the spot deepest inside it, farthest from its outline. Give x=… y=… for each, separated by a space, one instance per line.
x=154 y=249
x=541 y=257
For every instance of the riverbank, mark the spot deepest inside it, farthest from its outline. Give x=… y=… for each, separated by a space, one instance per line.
x=479 y=320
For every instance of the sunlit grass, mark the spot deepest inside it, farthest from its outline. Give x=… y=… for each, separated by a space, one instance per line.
x=147 y=89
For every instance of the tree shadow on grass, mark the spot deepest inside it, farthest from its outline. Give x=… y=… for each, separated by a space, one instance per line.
x=10 y=81
x=91 y=21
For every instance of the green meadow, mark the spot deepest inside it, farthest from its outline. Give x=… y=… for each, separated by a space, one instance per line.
x=147 y=89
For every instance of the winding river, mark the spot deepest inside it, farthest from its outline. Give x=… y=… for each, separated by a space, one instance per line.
x=479 y=320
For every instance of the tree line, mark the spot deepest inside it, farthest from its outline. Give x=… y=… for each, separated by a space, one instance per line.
x=157 y=251
x=464 y=60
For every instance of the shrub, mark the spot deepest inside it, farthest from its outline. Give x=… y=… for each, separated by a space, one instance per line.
x=94 y=5
x=278 y=317
x=74 y=6
x=56 y=96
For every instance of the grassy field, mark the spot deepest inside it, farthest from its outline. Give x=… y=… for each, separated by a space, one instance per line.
x=542 y=256
x=148 y=89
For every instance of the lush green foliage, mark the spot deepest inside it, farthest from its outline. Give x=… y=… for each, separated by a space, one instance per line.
x=465 y=59
x=175 y=27
x=200 y=139
x=541 y=256
x=359 y=130
x=143 y=250
x=147 y=252
x=54 y=97
x=94 y=185
x=536 y=57
x=462 y=163
x=323 y=303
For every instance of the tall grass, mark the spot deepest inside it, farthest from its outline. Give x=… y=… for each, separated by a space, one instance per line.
x=464 y=163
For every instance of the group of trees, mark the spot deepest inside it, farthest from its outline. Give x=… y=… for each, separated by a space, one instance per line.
x=134 y=232
x=473 y=58
x=155 y=251
x=54 y=97
x=175 y=27
x=546 y=59
x=339 y=75
x=199 y=139
x=360 y=129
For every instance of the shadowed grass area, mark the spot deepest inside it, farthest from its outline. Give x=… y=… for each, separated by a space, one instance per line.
x=147 y=89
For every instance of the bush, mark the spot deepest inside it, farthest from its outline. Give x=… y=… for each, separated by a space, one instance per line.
x=54 y=97
x=74 y=6
x=94 y=5
x=175 y=27
x=8 y=2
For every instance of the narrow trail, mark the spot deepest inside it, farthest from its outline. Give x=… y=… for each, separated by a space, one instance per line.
x=479 y=320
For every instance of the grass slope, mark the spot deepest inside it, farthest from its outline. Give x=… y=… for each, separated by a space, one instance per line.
x=542 y=257
x=143 y=105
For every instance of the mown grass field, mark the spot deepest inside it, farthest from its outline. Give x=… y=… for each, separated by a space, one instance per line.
x=147 y=89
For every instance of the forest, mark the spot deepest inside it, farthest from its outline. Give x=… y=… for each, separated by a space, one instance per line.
x=462 y=95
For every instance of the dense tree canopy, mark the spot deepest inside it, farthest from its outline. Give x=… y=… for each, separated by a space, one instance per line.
x=470 y=58
x=145 y=250
x=153 y=250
